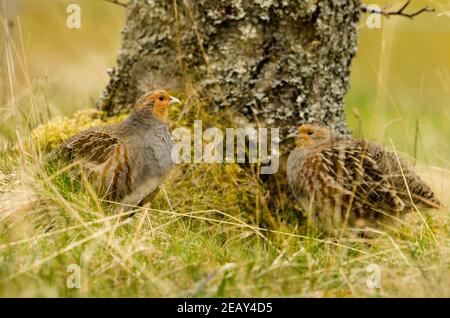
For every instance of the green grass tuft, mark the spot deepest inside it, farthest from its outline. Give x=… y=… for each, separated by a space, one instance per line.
x=199 y=238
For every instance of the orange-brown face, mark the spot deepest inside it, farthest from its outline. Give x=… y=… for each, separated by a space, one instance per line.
x=310 y=135
x=159 y=100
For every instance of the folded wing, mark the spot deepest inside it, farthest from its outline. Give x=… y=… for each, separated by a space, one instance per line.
x=106 y=160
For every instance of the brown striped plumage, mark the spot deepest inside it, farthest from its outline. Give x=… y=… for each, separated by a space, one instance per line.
x=127 y=162
x=341 y=182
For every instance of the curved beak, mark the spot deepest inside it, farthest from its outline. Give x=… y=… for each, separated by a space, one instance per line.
x=174 y=100
x=292 y=135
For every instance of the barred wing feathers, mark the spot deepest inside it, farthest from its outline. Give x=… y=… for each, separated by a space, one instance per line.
x=106 y=159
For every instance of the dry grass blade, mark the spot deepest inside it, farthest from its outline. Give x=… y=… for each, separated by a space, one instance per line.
x=411 y=198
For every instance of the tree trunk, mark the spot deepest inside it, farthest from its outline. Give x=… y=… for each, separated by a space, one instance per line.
x=277 y=62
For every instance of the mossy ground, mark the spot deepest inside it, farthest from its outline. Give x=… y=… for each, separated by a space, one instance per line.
x=204 y=235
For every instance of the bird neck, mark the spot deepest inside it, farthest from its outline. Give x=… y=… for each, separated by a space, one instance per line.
x=310 y=144
x=160 y=111
x=146 y=116
x=139 y=121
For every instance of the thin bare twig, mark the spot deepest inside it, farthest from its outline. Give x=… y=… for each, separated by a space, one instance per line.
x=400 y=12
x=117 y=2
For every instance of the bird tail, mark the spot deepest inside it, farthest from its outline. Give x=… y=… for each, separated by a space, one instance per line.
x=52 y=156
x=429 y=202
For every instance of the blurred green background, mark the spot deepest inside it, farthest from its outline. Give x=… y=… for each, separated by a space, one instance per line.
x=400 y=82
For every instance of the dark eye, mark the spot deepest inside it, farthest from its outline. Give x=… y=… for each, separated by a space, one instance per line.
x=161 y=98
x=310 y=133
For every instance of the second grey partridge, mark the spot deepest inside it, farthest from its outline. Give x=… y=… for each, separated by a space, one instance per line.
x=128 y=161
x=341 y=182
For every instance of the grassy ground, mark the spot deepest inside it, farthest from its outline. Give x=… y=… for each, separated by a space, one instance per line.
x=205 y=235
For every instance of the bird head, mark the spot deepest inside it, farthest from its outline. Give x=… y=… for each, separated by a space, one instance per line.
x=311 y=135
x=157 y=102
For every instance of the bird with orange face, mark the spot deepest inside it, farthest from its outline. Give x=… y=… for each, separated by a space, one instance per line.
x=345 y=183
x=128 y=161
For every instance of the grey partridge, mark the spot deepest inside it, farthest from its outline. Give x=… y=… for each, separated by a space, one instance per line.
x=128 y=161
x=346 y=183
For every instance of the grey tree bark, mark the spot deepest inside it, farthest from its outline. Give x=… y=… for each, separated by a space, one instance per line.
x=278 y=62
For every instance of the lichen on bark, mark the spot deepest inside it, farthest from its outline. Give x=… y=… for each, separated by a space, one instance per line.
x=277 y=62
